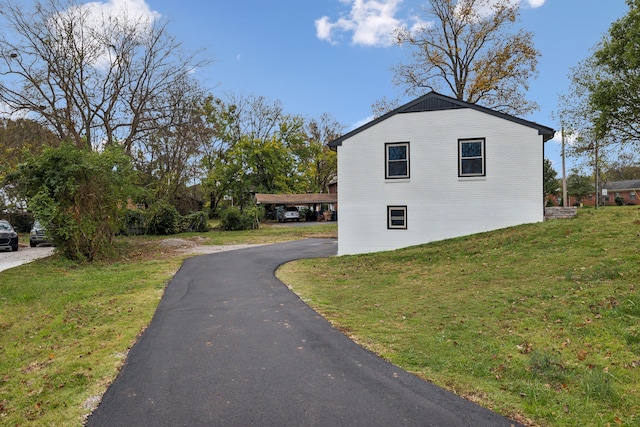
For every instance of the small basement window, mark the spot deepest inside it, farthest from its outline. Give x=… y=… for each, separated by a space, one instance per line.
x=397 y=217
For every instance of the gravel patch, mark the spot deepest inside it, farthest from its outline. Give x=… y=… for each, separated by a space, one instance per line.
x=191 y=247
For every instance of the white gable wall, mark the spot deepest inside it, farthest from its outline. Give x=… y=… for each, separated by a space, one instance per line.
x=440 y=204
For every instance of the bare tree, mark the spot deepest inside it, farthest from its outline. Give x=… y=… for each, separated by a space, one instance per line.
x=465 y=48
x=170 y=159
x=95 y=79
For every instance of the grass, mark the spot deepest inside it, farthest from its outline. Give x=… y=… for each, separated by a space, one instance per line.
x=539 y=322
x=65 y=328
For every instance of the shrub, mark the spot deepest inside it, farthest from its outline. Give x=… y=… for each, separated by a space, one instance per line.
x=619 y=201
x=234 y=219
x=134 y=222
x=77 y=195
x=196 y=222
x=163 y=219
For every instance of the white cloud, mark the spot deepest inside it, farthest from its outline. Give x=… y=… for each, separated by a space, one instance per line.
x=362 y=122
x=570 y=138
x=371 y=23
x=100 y=15
x=134 y=10
x=485 y=8
x=536 y=3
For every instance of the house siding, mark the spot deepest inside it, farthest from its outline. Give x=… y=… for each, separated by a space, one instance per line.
x=440 y=204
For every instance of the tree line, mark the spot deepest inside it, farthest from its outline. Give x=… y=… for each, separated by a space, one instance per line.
x=600 y=111
x=103 y=111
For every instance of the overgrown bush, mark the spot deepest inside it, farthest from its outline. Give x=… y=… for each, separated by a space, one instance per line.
x=248 y=219
x=619 y=201
x=134 y=222
x=163 y=219
x=195 y=222
x=77 y=195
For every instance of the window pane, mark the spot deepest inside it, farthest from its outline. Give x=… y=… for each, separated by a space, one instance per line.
x=471 y=166
x=398 y=168
x=397 y=152
x=397 y=217
x=471 y=149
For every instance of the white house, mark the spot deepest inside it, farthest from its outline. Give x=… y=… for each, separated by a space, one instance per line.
x=437 y=168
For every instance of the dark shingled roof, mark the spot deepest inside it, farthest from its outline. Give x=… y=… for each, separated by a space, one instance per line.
x=633 y=184
x=434 y=101
x=295 y=199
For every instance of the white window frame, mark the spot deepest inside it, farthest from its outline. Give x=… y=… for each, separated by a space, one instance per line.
x=387 y=145
x=482 y=157
x=390 y=218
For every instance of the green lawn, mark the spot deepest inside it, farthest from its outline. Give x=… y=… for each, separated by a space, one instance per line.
x=539 y=322
x=65 y=329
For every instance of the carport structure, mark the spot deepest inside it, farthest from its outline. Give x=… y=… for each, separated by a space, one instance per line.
x=314 y=201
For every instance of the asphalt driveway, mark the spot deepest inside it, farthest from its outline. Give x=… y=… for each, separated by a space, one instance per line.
x=230 y=345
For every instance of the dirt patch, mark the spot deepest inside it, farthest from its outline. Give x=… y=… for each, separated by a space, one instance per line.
x=195 y=247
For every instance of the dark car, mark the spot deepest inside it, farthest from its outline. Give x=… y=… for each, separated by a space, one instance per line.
x=38 y=235
x=8 y=237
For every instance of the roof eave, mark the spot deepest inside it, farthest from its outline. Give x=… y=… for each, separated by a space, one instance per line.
x=547 y=133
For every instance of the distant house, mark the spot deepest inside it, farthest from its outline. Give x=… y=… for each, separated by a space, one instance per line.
x=437 y=168
x=628 y=192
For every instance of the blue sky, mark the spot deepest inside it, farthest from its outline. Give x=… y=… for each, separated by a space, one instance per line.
x=333 y=56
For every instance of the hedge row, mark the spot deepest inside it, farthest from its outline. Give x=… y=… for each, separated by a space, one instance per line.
x=162 y=219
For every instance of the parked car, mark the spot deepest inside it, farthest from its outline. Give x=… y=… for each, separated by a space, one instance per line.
x=38 y=235
x=290 y=213
x=8 y=237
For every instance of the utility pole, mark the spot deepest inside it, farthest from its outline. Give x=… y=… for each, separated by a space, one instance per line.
x=597 y=174
x=565 y=202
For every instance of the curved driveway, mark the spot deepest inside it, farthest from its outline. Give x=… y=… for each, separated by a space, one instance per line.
x=230 y=345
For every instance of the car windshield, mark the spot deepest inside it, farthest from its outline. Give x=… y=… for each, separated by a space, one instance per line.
x=5 y=226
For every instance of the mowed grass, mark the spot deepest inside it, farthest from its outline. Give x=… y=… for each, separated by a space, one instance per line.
x=538 y=322
x=65 y=328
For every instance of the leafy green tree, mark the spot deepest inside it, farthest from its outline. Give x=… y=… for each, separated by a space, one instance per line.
x=78 y=195
x=466 y=48
x=320 y=165
x=550 y=180
x=590 y=143
x=170 y=159
x=256 y=147
x=18 y=137
x=616 y=97
x=579 y=185
x=626 y=167
x=601 y=110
